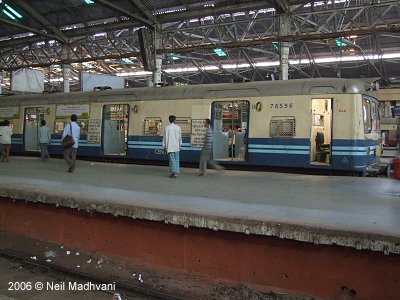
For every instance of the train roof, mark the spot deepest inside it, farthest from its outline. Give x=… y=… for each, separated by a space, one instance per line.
x=206 y=91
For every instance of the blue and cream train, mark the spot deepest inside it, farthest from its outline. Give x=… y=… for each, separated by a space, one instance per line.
x=320 y=124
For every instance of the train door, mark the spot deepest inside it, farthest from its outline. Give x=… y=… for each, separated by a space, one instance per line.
x=321 y=131
x=230 y=122
x=115 y=129
x=33 y=117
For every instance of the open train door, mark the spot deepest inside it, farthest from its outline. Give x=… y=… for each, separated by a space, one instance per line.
x=321 y=131
x=115 y=129
x=32 y=118
x=230 y=122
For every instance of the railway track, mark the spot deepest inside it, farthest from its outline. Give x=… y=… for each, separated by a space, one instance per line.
x=61 y=279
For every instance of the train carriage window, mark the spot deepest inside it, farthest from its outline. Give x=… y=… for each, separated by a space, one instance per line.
x=378 y=118
x=83 y=124
x=282 y=127
x=374 y=116
x=152 y=126
x=60 y=124
x=185 y=124
x=59 y=127
x=367 y=115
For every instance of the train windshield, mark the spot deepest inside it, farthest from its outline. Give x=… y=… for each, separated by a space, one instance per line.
x=370 y=115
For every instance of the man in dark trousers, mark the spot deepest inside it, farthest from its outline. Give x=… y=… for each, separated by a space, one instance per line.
x=207 y=151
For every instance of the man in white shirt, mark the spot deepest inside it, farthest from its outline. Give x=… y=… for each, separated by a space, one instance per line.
x=172 y=142
x=44 y=140
x=74 y=130
x=6 y=133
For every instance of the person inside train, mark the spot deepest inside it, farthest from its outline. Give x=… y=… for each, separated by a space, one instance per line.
x=231 y=140
x=319 y=140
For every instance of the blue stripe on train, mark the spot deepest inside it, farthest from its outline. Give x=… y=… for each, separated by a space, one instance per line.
x=285 y=152
x=150 y=147
x=346 y=154
x=279 y=152
x=85 y=149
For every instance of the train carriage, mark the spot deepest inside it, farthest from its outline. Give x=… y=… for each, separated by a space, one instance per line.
x=319 y=124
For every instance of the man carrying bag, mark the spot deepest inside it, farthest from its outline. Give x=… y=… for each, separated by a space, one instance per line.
x=70 y=148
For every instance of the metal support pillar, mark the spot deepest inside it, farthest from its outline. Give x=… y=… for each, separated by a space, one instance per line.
x=157 y=71
x=66 y=68
x=284 y=29
x=1 y=81
x=66 y=73
x=157 y=59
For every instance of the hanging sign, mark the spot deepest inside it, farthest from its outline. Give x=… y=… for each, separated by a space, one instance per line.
x=198 y=133
x=9 y=112
x=94 y=131
x=65 y=111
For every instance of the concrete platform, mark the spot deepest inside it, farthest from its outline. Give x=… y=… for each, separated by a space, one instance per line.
x=361 y=213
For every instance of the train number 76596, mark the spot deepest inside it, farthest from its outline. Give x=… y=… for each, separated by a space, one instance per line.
x=281 y=105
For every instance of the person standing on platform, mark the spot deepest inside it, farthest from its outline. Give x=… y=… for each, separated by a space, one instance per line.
x=44 y=140
x=172 y=142
x=6 y=133
x=1 y=138
x=74 y=130
x=207 y=151
x=398 y=139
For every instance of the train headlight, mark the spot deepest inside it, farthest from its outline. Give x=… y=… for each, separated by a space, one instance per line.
x=378 y=151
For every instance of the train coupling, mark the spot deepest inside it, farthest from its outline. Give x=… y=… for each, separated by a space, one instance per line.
x=378 y=169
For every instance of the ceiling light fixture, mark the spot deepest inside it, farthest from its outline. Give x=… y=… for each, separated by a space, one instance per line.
x=219 y=52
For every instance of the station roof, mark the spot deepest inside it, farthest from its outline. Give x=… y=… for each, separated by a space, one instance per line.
x=201 y=41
